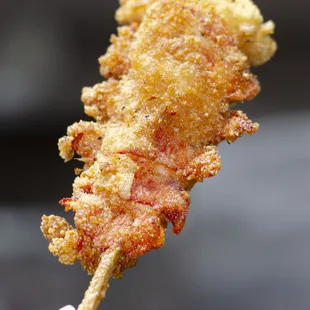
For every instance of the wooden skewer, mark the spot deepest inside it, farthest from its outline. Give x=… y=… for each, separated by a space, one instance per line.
x=100 y=281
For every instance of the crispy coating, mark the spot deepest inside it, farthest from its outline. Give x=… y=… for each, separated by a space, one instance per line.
x=97 y=99
x=159 y=117
x=242 y=18
x=84 y=138
x=115 y=63
x=62 y=237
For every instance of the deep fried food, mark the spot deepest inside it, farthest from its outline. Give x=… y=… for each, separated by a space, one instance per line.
x=172 y=76
x=241 y=17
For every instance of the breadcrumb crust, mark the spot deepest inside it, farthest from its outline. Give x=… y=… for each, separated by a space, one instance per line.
x=173 y=73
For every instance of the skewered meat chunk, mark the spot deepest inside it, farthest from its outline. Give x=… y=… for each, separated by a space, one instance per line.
x=173 y=74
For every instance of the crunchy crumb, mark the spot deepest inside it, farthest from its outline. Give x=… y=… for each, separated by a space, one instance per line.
x=172 y=78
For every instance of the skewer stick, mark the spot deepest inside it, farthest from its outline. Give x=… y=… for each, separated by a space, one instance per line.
x=100 y=281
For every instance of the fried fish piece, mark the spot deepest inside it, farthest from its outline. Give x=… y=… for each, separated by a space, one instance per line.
x=159 y=116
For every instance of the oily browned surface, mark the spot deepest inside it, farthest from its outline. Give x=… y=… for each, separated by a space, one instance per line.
x=242 y=17
x=159 y=119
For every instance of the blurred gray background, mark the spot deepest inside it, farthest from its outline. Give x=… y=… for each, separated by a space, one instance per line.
x=246 y=244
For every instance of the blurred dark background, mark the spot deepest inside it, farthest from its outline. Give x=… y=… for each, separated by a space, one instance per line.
x=246 y=244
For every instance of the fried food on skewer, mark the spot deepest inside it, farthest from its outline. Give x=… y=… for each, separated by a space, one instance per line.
x=172 y=77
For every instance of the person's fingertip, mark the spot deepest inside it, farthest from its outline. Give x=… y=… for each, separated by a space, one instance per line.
x=67 y=308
